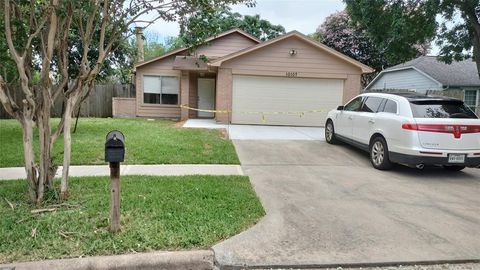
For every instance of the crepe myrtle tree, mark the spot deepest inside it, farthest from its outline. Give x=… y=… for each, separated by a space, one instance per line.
x=38 y=34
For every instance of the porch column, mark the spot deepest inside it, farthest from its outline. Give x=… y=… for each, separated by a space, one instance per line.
x=224 y=94
x=184 y=94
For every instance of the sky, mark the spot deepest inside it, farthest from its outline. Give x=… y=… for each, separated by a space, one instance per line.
x=301 y=15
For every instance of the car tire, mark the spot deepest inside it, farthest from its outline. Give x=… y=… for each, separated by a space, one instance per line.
x=330 y=133
x=379 y=154
x=453 y=168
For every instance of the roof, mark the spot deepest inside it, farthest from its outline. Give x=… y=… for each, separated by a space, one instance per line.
x=364 y=68
x=462 y=73
x=180 y=50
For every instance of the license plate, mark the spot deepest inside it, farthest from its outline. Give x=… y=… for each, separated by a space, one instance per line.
x=456 y=158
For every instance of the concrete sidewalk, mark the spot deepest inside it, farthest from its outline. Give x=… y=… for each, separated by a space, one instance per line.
x=159 y=170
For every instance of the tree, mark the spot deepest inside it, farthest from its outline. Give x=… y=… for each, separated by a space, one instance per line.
x=203 y=25
x=338 y=32
x=39 y=38
x=155 y=46
x=397 y=25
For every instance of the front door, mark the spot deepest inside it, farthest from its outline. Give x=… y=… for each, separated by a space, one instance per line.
x=206 y=97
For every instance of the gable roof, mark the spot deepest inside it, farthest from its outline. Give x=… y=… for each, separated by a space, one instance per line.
x=180 y=50
x=364 y=68
x=462 y=73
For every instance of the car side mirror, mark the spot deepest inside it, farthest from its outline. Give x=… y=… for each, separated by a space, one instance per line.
x=340 y=108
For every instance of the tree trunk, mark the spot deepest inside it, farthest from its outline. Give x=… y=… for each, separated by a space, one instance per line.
x=29 y=156
x=67 y=146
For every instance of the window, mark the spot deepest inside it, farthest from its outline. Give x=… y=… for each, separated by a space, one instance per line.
x=472 y=99
x=371 y=104
x=390 y=106
x=440 y=109
x=354 y=105
x=160 y=89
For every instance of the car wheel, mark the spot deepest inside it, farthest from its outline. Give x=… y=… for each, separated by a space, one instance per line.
x=330 y=133
x=453 y=168
x=379 y=154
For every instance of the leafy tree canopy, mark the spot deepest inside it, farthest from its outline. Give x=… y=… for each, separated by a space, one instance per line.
x=203 y=25
x=338 y=32
x=397 y=25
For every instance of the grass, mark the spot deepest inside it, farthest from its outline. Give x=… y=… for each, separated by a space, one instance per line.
x=158 y=213
x=147 y=142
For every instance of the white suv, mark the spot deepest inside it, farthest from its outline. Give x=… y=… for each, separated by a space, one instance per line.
x=410 y=129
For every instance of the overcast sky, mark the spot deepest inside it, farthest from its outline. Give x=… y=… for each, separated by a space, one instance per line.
x=301 y=15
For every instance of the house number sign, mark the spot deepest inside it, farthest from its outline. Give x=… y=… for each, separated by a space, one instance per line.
x=291 y=74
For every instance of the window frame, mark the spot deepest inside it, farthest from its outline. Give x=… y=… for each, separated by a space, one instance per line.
x=384 y=103
x=366 y=98
x=160 y=104
x=361 y=103
x=477 y=99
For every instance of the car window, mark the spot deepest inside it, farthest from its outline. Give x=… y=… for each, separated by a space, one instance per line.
x=353 y=105
x=390 y=106
x=371 y=104
x=441 y=109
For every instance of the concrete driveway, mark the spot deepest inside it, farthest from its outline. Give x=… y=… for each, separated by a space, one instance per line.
x=258 y=132
x=326 y=205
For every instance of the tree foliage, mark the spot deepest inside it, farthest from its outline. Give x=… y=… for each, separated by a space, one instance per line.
x=203 y=25
x=338 y=32
x=397 y=25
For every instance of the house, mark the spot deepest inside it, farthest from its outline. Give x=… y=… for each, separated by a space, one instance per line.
x=241 y=77
x=427 y=74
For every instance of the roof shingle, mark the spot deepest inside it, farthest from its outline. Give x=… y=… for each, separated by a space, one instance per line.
x=463 y=73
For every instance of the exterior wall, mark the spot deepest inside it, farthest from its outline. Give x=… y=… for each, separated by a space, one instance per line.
x=123 y=107
x=405 y=79
x=161 y=67
x=352 y=87
x=224 y=94
x=193 y=100
x=225 y=45
x=275 y=60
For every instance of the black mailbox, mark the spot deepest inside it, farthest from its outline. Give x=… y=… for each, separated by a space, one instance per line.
x=115 y=146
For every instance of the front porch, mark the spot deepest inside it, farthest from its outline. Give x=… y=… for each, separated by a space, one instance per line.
x=202 y=87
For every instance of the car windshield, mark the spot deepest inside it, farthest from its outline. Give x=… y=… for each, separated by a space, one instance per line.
x=441 y=109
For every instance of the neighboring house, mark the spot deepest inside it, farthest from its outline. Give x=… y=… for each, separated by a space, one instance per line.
x=426 y=73
x=244 y=76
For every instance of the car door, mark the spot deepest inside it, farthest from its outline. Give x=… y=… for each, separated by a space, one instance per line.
x=364 y=120
x=344 y=123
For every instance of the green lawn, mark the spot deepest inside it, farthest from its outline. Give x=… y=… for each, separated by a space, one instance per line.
x=147 y=142
x=158 y=213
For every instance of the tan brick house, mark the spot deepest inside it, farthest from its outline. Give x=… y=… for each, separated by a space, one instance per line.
x=242 y=75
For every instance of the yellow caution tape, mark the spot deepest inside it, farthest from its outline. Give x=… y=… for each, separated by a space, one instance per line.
x=294 y=113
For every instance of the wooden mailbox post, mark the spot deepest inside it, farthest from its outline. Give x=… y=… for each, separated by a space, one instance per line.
x=114 y=154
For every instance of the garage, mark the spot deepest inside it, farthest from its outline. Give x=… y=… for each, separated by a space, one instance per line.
x=280 y=94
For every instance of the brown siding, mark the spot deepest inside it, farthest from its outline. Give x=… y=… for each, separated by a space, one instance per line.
x=224 y=94
x=161 y=67
x=225 y=45
x=275 y=60
x=123 y=107
x=193 y=101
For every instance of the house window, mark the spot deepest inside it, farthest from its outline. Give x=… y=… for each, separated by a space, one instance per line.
x=471 y=99
x=160 y=89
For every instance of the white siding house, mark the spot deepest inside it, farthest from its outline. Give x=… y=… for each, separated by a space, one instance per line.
x=426 y=74
x=406 y=78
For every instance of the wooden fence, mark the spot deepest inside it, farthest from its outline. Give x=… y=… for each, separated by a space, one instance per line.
x=97 y=104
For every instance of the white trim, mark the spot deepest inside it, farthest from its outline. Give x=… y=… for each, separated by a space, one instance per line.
x=399 y=69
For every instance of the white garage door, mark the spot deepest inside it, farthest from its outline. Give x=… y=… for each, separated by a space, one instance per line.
x=277 y=94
